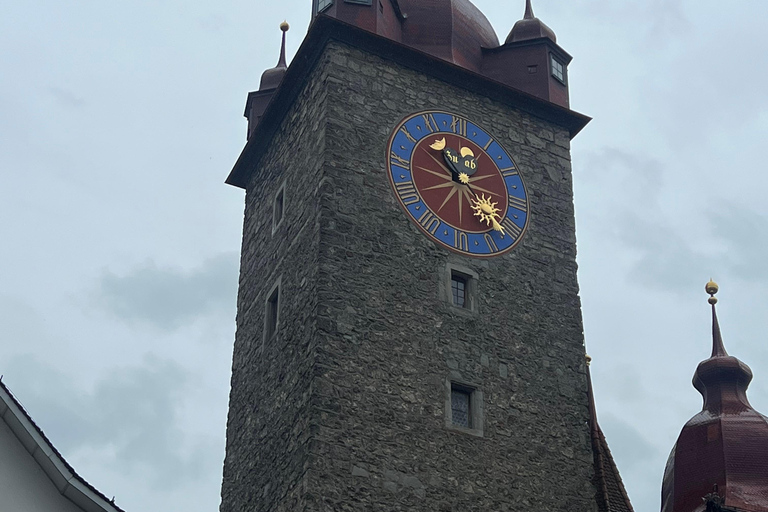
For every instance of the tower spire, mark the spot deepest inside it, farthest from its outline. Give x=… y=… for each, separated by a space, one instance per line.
x=282 y=62
x=528 y=11
x=272 y=77
x=718 y=348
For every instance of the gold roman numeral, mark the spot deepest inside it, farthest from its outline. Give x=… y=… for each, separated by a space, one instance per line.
x=408 y=134
x=400 y=161
x=511 y=228
x=491 y=243
x=509 y=171
x=407 y=192
x=430 y=123
x=518 y=204
x=429 y=222
x=460 y=240
x=459 y=126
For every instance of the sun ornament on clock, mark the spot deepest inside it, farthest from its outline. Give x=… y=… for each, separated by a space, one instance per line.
x=457 y=184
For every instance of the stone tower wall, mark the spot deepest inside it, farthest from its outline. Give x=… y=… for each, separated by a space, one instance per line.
x=345 y=408
x=268 y=429
x=390 y=339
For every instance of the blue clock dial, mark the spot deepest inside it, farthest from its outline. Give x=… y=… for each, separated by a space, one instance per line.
x=457 y=184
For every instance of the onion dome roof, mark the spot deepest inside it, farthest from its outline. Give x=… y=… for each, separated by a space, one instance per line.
x=721 y=455
x=454 y=30
x=530 y=27
x=271 y=78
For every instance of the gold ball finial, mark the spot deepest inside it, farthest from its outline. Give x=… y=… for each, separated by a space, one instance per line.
x=284 y=26
x=712 y=289
x=589 y=360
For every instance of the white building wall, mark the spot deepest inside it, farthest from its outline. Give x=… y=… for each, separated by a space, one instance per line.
x=24 y=487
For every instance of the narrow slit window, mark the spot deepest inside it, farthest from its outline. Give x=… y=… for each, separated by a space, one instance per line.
x=279 y=208
x=271 y=318
x=461 y=406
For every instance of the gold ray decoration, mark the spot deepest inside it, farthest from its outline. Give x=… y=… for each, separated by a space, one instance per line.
x=448 y=197
x=438 y=162
x=442 y=185
x=439 y=175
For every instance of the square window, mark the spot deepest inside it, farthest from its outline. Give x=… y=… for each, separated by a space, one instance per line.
x=461 y=411
x=463 y=406
x=272 y=312
x=558 y=69
x=459 y=289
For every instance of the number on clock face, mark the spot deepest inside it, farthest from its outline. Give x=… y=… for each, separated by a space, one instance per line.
x=457 y=184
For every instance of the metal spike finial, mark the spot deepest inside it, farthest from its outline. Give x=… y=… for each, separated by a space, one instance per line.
x=718 y=348
x=282 y=62
x=528 y=11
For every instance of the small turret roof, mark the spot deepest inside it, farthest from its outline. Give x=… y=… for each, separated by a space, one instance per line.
x=530 y=27
x=271 y=78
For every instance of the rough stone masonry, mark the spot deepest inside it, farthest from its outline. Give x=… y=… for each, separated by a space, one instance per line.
x=343 y=409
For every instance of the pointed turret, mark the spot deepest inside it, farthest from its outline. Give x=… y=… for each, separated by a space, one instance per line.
x=270 y=81
x=531 y=60
x=271 y=78
x=530 y=27
x=720 y=461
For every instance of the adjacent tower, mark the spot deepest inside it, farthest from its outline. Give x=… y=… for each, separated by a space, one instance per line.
x=409 y=333
x=720 y=460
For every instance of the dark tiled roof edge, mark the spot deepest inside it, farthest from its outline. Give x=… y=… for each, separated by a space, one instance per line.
x=72 y=486
x=611 y=495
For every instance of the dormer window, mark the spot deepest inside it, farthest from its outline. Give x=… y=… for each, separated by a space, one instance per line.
x=323 y=5
x=558 y=69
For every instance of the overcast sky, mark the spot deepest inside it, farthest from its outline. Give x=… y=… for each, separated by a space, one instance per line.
x=119 y=122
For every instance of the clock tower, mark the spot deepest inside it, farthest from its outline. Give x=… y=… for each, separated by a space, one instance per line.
x=409 y=333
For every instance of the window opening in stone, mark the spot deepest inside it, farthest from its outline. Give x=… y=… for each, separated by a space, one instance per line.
x=461 y=410
x=459 y=290
x=277 y=211
x=273 y=305
x=558 y=69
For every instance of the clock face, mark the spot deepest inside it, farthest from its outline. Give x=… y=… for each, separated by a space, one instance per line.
x=457 y=184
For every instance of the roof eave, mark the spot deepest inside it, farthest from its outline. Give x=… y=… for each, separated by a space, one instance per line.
x=62 y=475
x=325 y=28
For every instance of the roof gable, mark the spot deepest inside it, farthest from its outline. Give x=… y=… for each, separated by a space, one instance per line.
x=68 y=483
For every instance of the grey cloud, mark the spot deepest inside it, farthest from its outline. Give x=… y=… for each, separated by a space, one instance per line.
x=641 y=464
x=736 y=247
x=66 y=98
x=167 y=297
x=132 y=416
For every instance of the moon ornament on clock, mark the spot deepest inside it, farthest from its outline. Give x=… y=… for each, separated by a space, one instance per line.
x=457 y=184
